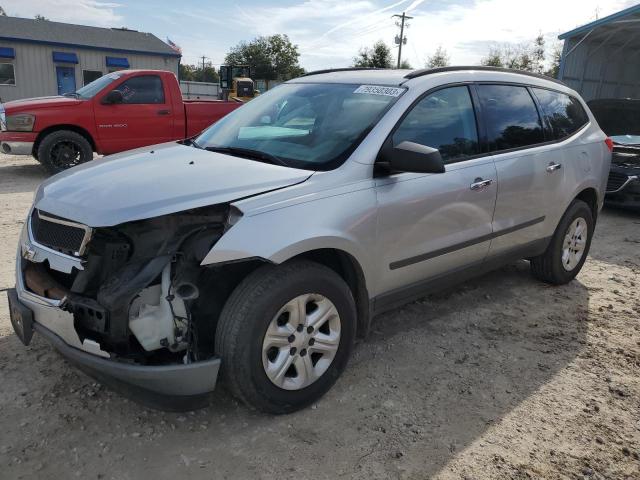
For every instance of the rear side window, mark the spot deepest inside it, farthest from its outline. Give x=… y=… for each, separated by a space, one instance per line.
x=511 y=117
x=444 y=120
x=564 y=114
x=142 y=89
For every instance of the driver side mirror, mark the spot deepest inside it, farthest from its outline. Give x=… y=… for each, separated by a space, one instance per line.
x=113 y=97
x=412 y=157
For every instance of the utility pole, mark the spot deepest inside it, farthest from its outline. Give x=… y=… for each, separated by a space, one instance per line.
x=401 y=40
x=203 y=59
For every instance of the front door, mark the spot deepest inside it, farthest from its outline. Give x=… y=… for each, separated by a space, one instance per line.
x=144 y=117
x=432 y=224
x=66 y=77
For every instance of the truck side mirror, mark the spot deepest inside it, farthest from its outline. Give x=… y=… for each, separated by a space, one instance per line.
x=412 y=157
x=113 y=97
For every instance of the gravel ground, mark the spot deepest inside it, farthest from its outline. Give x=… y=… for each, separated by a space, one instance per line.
x=503 y=377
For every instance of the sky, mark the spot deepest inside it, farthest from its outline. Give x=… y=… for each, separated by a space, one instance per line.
x=329 y=33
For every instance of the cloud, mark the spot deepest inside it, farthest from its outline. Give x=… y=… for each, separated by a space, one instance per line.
x=86 y=12
x=331 y=32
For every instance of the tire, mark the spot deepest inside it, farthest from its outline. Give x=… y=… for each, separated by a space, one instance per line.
x=554 y=266
x=63 y=149
x=256 y=307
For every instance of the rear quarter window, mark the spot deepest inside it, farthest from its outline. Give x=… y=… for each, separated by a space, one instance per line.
x=563 y=113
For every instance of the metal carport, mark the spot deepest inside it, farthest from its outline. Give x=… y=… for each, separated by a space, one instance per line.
x=601 y=59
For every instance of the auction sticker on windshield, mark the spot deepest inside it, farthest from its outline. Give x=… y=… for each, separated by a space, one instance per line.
x=378 y=90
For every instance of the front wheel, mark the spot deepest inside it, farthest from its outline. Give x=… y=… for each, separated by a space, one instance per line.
x=63 y=149
x=568 y=248
x=285 y=335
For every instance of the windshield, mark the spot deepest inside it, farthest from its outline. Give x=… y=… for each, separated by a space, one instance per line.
x=626 y=139
x=91 y=89
x=311 y=126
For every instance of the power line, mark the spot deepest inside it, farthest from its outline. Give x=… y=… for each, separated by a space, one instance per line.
x=402 y=38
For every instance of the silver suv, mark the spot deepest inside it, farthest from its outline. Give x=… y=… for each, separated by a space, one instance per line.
x=264 y=246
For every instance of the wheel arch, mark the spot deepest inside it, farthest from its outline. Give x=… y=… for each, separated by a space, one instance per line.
x=589 y=195
x=55 y=128
x=350 y=270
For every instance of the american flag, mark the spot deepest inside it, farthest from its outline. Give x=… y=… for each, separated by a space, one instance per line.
x=174 y=46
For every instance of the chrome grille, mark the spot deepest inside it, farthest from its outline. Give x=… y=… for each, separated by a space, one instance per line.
x=616 y=181
x=59 y=234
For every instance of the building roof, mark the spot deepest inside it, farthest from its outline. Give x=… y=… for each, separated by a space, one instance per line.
x=627 y=19
x=81 y=36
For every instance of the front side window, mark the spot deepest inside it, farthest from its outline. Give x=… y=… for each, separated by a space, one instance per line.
x=7 y=74
x=145 y=89
x=305 y=125
x=444 y=120
x=511 y=117
x=564 y=113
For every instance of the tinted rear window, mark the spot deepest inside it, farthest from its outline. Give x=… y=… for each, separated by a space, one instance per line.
x=511 y=117
x=564 y=114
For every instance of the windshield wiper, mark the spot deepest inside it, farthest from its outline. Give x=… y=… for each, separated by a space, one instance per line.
x=249 y=153
x=71 y=94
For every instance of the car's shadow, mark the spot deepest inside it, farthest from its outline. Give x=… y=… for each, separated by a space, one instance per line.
x=430 y=379
x=622 y=248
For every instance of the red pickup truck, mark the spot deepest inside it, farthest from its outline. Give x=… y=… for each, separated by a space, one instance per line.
x=119 y=111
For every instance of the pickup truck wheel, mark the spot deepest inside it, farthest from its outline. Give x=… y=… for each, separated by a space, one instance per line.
x=63 y=149
x=285 y=335
x=569 y=246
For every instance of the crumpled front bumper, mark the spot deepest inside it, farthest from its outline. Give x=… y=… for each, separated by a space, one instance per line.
x=167 y=387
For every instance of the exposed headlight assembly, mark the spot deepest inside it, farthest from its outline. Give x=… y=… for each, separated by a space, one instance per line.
x=22 y=122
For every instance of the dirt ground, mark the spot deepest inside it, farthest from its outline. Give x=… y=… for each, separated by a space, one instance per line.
x=503 y=377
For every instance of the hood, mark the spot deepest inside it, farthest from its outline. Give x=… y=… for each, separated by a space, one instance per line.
x=156 y=181
x=39 y=102
x=617 y=117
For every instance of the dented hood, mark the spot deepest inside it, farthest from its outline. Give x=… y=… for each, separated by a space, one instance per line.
x=155 y=181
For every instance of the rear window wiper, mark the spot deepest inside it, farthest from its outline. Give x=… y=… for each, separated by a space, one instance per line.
x=249 y=153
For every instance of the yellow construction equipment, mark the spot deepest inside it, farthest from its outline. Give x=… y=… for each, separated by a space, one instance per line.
x=236 y=83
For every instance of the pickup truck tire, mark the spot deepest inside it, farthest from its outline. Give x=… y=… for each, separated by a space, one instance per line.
x=569 y=246
x=63 y=149
x=271 y=326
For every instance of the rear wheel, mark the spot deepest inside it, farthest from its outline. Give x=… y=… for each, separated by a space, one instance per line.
x=285 y=335
x=63 y=149
x=569 y=246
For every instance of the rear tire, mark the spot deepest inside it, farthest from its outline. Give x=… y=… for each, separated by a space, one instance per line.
x=293 y=371
x=63 y=149
x=569 y=246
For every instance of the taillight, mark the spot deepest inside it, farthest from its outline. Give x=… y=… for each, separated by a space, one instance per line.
x=609 y=143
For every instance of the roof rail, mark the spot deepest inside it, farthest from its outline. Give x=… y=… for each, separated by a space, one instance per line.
x=429 y=71
x=347 y=69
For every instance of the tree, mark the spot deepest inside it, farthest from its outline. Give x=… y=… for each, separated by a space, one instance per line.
x=440 y=58
x=517 y=56
x=195 y=73
x=40 y=17
x=404 y=64
x=270 y=58
x=556 y=57
x=377 y=57
x=2 y=12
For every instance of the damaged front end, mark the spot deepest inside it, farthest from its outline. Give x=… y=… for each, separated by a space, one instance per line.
x=623 y=184
x=132 y=297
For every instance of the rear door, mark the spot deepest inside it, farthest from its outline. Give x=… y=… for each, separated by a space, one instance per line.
x=431 y=224
x=530 y=174
x=144 y=117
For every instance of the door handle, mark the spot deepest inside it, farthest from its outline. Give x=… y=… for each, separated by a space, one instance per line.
x=480 y=184
x=164 y=112
x=553 y=167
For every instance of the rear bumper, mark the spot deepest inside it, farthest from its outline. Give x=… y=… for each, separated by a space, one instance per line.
x=17 y=143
